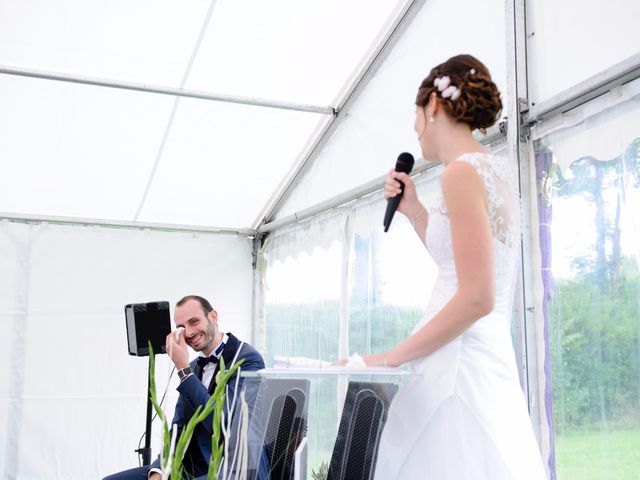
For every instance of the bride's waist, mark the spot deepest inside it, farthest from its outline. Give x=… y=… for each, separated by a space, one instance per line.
x=446 y=286
x=476 y=346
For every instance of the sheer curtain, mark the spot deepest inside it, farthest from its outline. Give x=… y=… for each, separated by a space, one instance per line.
x=336 y=285
x=303 y=285
x=390 y=275
x=588 y=171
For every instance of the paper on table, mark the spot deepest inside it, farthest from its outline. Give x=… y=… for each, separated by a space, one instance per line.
x=314 y=365
x=299 y=362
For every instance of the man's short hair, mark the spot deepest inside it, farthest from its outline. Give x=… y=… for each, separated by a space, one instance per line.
x=204 y=303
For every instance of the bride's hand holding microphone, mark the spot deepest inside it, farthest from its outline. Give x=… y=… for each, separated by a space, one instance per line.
x=393 y=187
x=400 y=183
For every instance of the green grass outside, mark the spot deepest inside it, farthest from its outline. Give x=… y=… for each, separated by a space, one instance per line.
x=580 y=455
x=589 y=455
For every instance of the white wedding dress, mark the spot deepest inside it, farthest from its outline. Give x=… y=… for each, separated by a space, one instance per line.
x=465 y=416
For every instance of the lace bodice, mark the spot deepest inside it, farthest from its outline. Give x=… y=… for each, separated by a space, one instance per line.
x=499 y=176
x=500 y=180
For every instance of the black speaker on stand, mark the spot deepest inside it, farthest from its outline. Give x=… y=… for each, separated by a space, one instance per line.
x=147 y=322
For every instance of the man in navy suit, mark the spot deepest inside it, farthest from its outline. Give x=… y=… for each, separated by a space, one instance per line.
x=197 y=379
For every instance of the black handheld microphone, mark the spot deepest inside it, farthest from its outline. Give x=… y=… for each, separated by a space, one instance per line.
x=403 y=164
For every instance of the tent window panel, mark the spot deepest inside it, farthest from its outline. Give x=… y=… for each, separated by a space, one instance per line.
x=302 y=305
x=589 y=194
x=302 y=319
x=389 y=288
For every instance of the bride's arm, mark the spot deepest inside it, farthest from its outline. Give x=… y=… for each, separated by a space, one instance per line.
x=409 y=205
x=466 y=203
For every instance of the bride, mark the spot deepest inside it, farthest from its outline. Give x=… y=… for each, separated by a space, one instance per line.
x=465 y=416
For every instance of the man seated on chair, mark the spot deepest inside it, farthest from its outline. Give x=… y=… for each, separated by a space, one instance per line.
x=197 y=380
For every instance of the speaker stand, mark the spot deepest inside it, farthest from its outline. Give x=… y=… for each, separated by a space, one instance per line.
x=145 y=452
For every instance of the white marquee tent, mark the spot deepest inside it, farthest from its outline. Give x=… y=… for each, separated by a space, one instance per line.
x=153 y=149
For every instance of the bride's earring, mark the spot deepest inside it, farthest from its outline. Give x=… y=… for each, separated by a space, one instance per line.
x=431 y=120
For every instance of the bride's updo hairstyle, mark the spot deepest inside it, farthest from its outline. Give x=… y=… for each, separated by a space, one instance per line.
x=465 y=89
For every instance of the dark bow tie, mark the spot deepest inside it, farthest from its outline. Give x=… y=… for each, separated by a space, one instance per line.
x=204 y=361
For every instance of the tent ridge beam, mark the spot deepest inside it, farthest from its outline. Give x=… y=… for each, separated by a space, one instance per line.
x=369 y=69
x=133 y=225
x=164 y=90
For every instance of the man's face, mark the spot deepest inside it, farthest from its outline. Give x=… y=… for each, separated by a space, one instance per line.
x=199 y=329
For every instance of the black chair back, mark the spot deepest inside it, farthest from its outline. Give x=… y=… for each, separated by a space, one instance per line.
x=363 y=416
x=277 y=426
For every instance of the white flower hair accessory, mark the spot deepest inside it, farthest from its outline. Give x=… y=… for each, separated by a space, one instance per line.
x=451 y=92
x=443 y=84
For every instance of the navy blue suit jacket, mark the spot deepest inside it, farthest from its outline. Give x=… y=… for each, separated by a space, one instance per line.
x=193 y=393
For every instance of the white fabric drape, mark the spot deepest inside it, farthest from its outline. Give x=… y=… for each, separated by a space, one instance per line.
x=72 y=401
x=570 y=41
x=605 y=126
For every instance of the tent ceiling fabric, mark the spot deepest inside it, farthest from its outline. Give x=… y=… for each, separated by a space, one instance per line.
x=380 y=123
x=75 y=150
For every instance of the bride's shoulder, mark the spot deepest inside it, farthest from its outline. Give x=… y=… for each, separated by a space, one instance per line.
x=460 y=178
x=481 y=159
x=489 y=165
x=469 y=164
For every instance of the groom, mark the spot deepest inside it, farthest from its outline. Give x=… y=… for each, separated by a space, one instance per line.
x=197 y=380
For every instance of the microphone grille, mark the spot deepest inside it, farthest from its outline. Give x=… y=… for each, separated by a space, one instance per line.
x=404 y=163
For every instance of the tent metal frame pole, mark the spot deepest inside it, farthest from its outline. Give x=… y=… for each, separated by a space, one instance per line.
x=91 y=222
x=520 y=149
x=407 y=12
x=164 y=90
x=599 y=84
x=518 y=102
